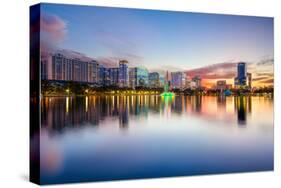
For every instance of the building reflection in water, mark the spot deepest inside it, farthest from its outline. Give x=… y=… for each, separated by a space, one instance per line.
x=123 y=112
x=198 y=103
x=221 y=103
x=243 y=106
x=60 y=112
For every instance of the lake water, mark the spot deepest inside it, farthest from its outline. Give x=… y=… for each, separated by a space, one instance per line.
x=98 y=138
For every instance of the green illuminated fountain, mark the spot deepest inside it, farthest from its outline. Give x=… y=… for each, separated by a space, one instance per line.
x=166 y=92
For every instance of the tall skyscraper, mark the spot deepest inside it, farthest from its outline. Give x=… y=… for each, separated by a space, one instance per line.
x=138 y=77
x=123 y=78
x=114 y=76
x=84 y=71
x=132 y=78
x=241 y=70
x=77 y=72
x=161 y=80
x=93 y=72
x=61 y=68
x=67 y=69
x=104 y=76
x=154 y=79
x=241 y=78
x=177 y=80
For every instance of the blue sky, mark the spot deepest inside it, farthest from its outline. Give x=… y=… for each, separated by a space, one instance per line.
x=162 y=38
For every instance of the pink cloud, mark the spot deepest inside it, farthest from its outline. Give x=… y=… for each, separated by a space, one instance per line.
x=108 y=61
x=113 y=61
x=215 y=71
x=262 y=72
x=53 y=30
x=54 y=26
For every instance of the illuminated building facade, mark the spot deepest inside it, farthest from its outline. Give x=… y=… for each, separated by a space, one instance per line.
x=138 y=77
x=114 y=76
x=154 y=79
x=178 y=80
x=241 y=78
x=93 y=72
x=123 y=77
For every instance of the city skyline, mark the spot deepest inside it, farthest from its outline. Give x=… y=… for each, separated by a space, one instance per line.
x=198 y=44
x=120 y=93
x=58 y=66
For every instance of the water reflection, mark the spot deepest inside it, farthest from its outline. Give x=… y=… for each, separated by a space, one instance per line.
x=139 y=136
x=243 y=106
x=60 y=112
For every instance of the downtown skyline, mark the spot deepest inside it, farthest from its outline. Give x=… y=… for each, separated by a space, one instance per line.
x=208 y=45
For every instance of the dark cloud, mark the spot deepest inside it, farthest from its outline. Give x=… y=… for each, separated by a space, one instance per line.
x=73 y=54
x=266 y=61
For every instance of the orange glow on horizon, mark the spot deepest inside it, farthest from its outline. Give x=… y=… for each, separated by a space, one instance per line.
x=210 y=83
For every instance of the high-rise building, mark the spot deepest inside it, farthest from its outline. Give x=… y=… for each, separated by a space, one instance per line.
x=114 y=76
x=154 y=79
x=240 y=80
x=57 y=67
x=249 y=80
x=104 y=76
x=138 y=77
x=77 y=72
x=93 y=72
x=161 y=80
x=123 y=78
x=132 y=78
x=60 y=67
x=46 y=67
x=241 y=70
x=84 y=71
x=67 y=69
x=177 y=80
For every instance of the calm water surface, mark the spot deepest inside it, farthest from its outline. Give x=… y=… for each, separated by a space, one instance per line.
x=121 y=137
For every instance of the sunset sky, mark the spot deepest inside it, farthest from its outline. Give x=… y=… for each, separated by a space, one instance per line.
x=208 y=45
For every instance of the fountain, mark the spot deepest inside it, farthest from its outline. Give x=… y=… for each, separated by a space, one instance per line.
x=166 y=89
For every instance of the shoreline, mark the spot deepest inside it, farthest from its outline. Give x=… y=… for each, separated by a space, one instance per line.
x=176 y=94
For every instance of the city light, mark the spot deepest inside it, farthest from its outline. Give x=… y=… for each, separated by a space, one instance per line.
x=125 y=80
